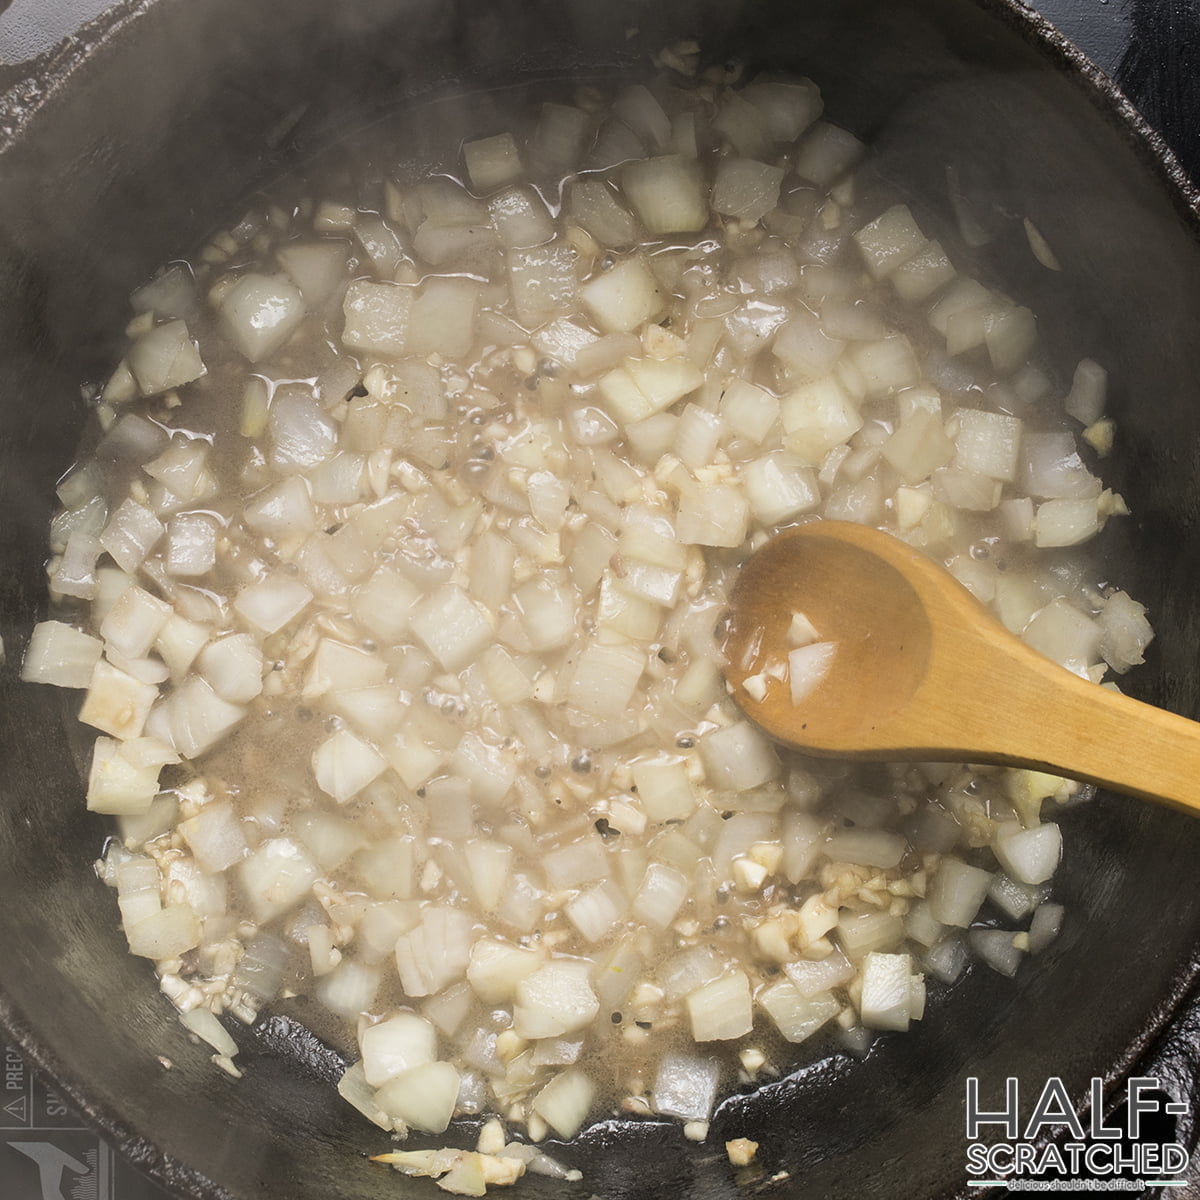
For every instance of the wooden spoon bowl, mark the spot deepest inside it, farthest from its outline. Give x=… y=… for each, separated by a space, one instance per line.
x=921 y=670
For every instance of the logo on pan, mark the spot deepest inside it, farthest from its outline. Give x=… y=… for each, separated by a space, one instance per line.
x=61 y=1175
x=1046 y=1146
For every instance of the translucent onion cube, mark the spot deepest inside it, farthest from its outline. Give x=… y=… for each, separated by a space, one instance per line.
x=443 y=317
x=436 y=952
x=423 y=1098
x=565 y=1102
x=336 y=667
x=164 y=358
x=997 y=948
x=169 y=933
x=988 y=443
x=276 y=876
x=178 y=643
x=496 y=968
x=779 y=487
x=665 y=791
x=282 y=509
x=492 y=162
x=316 y=268
x=396 y=1045
x=233 y=666
x=886 y=366
x=191 y=544
x=344 y=764
x=889 y=240
x=623 y=298
x=596 y=911
x=1029 y=855
x=214 y=836
x=810 y=977
x=817 y=417
x=544 y=282
x=605 y=679
x=488 y=771
x=261 y=312
x=957 y=891
x=807 y=667
x=377 y=317
x=748 y=410
x=182 y=468
x=1066 y=522
x=302 y=434
x=134 y=621
x=796 y=1016
x=197 y=718
x=721 y=1010
x=686 y=1086
x=452 y=627
x=124 y=775
x=270 y=603
x=745 y=188
x=667 y=194
x=116 y=703
x=661 y=895
x=887 y=991
x=738 y=758
x=554 y=1000
x=131 y=533
x=61 y=655
x=521 y=217
x=715 y=514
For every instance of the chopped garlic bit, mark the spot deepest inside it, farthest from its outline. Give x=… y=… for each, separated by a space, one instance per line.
x=741 y=1151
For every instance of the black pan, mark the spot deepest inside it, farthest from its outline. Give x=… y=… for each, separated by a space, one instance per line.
x=131 y=146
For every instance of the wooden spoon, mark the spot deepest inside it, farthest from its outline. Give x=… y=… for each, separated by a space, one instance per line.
x=921 y=670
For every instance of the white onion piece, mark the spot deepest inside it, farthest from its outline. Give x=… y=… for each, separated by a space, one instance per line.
x=807 y=668
x=686 y=1086
x=165 y=358
x=166 y=934
x=214 y=836
x=116 y=703
x=436 y=952
x=197 y=718
x=260 y=313
x=1087 y=397
x=722 y=1009
x=667 y=194
x=396 y=1045
x=887 y=991
x=811 y=977
x=660 y=895
x=565 y=1102
x=738 y=758
x=1045 y=926
x=1029 y=855
x=61 y=655
x=997 y=948
x=957 y=891
x=124 y=777
x=796 y=1016
x=424 y=1097
x=555 y=999
x=272 y=602
x=131 y=534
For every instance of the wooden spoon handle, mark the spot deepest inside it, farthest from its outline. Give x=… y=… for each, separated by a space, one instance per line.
x=1104 y=737
x=1037 y=713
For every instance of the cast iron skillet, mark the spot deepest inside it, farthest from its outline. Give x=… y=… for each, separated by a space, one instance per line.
x=129 y=147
